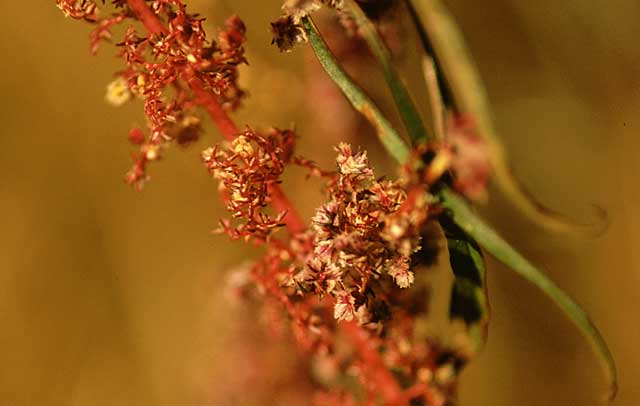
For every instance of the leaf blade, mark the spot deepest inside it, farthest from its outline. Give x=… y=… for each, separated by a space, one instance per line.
x=389 y=137
x=408 y=111
x=469 y=96
x=469 y=298
x=502 y=251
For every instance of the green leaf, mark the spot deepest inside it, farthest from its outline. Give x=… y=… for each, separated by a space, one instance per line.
x=469 y=299
x=388 y=136
x=502 y=251
x=461 y=214
x=410 y=115
x=441 y=36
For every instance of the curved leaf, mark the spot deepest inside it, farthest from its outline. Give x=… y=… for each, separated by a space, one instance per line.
x=460 y=213
x=502 y=251
x=388 y=136
x=469 y=299
x=441 y=36
x=410 y=115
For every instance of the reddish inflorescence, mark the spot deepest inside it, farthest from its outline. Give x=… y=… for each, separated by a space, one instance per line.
x=361 y=234
x=471 y=165
x=164 y=68
x=79 y=9
x=246 y=167
x=344 y=279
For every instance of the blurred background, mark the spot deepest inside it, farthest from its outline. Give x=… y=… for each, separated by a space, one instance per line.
x=113 y=297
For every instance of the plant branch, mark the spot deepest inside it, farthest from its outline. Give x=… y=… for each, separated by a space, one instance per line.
x=359 y=100
x=151 y=22
x=409 y=113
x=462 y=215
x=219 y=116
x=387 y=385
x=442 y=38
x=502 y=251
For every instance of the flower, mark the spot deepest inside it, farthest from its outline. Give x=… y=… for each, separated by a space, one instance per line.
x=118 y=92
x=367 y=228
x=163 y=66
x=246 y=168
x=471 y=163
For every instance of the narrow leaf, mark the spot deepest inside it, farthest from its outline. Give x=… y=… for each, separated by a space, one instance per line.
x=469 y=299
x=442 y=37
x=460 y=213
x=388 y=136
x=436 y=102
x=501 y=250
x=410 y=115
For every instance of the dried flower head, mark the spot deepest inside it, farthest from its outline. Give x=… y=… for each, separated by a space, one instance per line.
x=246 y=168
x=79 y=9
x=368 y=228
x=287 y=30
x=287 y=33
x=118 y=92
x=163 y=67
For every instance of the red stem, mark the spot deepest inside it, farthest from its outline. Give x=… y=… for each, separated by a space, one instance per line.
x=219 y=116
x=376 y=370
x=151 y=22
x=210 y=103
x=388 y=386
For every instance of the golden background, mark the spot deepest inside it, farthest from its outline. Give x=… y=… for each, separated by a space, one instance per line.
x=112 y=297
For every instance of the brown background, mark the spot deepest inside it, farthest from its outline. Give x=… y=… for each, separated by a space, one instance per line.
x=111 y=297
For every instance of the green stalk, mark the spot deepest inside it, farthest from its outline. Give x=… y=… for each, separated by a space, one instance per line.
x=388 y=136
x=459 y=211
x=502 y=251
x=442 y=36
x=408 y=111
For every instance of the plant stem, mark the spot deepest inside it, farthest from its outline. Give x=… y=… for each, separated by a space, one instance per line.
x=391 y=391
x=408 y=111
x=151 y=22
x=443 y=39
x=377 y=371
x=358 y=99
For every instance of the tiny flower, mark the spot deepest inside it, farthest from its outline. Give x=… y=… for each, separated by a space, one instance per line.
x=136 y=136
x=399 y=271
x=242 y=146
x=298 y=8
x=152 y=152
x=287 y=33
x=187 y=130
x=350 y=163
x=118 y=92
x=344 y=308
x=471 y=163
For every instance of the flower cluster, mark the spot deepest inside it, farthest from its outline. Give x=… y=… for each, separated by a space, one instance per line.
x=352 y=264
x=287 y=30
x=166 y=69
x=79 y=9
x=470 y=162
x=368 y=228
x=341 y=308
x=246 y=168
